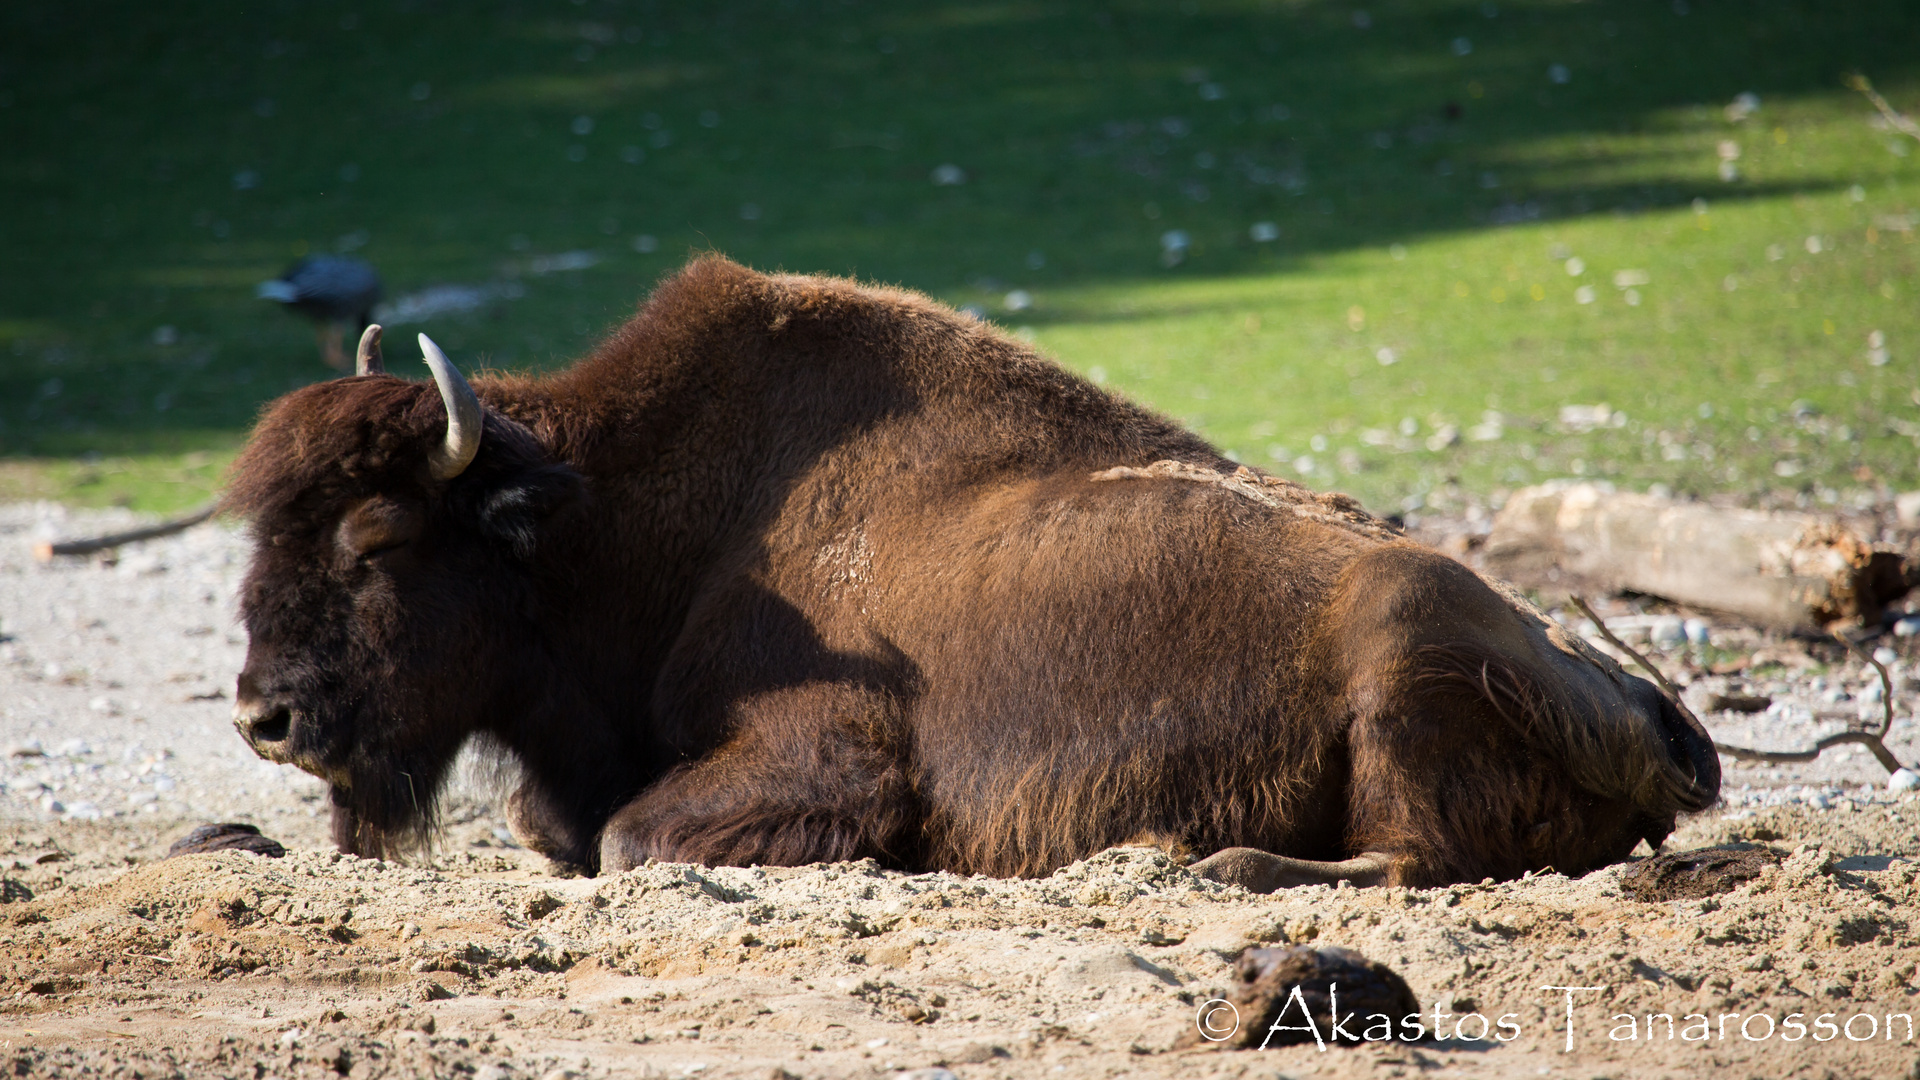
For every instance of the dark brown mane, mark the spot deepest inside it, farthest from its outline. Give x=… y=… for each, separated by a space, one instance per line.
x=321 y=438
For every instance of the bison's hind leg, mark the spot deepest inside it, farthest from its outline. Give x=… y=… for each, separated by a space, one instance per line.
x=1263 y=872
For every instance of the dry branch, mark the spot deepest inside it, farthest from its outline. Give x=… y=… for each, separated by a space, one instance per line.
x=46 y=550
x=1898 y=120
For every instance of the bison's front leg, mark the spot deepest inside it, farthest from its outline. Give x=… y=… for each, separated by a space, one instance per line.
x=542 y=827
x=1261 y=872
x=809 y=777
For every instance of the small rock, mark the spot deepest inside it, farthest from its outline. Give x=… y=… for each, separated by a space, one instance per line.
x=492 y=1072
x=1267 y=982
x=559 y=1074
x=227 y=836
x=1807 y=861
x=1907 y=627
x=1698 y=632
x=1903 y=780
x=980 y=1053
x=14 y=892
x=335 y=1056
x=1819 y=801
x=1667 y=631
x=29 y=748
x=1906 y=506
x=1885 y=655
x=931 y=1073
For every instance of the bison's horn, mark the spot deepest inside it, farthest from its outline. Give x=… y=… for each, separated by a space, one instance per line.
x=464 y=417
x=367 y=361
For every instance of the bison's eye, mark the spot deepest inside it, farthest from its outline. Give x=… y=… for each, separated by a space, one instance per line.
x=376 y=526
x=382 y=549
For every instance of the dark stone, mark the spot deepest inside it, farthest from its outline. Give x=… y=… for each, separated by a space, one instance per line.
x=227 y=836
x=1697 y=874
x=14 y=892
x=1264 y=981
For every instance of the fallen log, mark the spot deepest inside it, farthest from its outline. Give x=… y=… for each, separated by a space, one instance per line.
x=1784 y=571
x=45 y=550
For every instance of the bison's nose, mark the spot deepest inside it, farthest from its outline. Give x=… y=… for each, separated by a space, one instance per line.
x=264 y=726
x=264 y=723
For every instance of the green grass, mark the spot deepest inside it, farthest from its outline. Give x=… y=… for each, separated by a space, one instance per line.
x=1420 y=195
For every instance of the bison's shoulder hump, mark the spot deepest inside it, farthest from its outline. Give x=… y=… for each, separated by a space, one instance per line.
x=713 y=290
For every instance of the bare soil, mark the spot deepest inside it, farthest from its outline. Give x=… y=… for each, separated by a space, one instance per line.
x=475 y=962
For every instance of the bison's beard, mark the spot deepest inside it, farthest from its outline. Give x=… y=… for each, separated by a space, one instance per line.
x=389 y=808
x=387 y=816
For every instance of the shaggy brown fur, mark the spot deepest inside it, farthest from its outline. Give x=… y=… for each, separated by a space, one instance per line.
x=793 y=569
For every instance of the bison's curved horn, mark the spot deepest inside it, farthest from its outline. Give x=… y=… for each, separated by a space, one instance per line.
x=367 y=361
x=464 y=416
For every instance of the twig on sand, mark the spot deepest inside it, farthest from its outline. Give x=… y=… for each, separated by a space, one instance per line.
x=1895 y=117
x=1872 y=740
x=46 y=550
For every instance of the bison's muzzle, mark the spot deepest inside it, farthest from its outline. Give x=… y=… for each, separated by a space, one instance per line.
x=270 y=726
x=266 y=728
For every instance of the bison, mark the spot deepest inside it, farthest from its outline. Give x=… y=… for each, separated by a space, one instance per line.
x=794 y=570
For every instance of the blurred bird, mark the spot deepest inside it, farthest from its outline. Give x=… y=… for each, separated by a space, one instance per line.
x=335 y=292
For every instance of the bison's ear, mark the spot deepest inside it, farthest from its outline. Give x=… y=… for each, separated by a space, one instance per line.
x=512 y=510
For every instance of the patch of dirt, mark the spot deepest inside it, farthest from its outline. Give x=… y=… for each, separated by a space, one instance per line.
x=475 y=962
x=229 y=964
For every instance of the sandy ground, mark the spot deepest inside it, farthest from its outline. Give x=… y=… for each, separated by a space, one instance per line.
x=115 y=679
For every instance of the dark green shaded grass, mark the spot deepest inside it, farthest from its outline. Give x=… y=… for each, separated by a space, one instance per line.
x=439 y=141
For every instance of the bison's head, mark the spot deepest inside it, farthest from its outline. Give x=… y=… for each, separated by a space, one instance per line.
x=1494 y=741
x=392 y=590
x=1633 y=757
